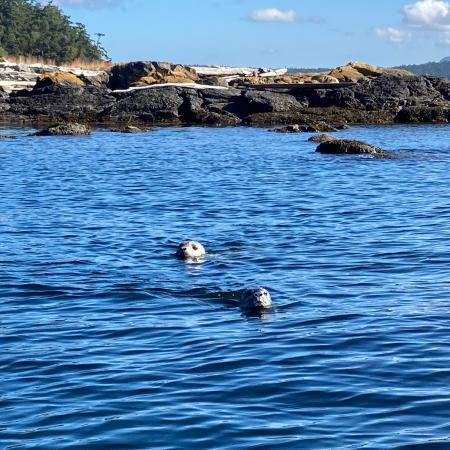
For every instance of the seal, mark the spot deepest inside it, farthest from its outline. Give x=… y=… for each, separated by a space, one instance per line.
x=190 y=250
x=255 y=299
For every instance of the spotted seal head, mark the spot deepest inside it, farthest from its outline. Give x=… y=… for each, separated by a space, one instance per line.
x=255 y=299
x=190 y=250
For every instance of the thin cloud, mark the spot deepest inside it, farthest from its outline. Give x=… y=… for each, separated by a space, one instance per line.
x=317 y=20
x=394 y=35
x=273 y=15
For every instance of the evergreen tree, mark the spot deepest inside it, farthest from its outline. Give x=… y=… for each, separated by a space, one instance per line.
x=30 y=28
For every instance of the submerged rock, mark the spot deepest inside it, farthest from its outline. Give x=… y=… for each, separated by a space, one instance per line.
x=8 y=136
x=65 y=129
x=289 y=129
x=314 y=127
x=319 y=138
x=130 y=129
x=350 y=147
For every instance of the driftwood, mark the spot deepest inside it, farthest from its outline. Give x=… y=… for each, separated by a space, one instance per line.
x=223 y=71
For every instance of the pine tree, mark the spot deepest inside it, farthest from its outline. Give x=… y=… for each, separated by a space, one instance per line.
x=30 y=28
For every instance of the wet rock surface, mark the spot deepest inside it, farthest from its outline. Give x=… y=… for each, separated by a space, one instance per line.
x=320 y=138
x=65 y=129
x=351 y=147
x=314 y=127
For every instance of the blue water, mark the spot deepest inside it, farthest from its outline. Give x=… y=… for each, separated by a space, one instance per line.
x=109 y=342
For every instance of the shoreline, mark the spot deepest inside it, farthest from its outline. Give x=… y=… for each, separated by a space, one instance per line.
x=147 y=94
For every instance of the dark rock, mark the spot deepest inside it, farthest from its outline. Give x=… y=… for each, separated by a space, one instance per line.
x=350 y=147
x=191 y=110
x=442 y=85
x=319 y=138
x=315 y=127
x=146 y=105
x=386 y=92
x=385 y=99
x=252 y=102
x=68 y=103
x=131 y=130
x=8 y=136
x=101 y=80
x=220 y=96
x=320 y=127
x=213 y=81
x=198 y=110
x=65 y=129
x=289 y=129
x=422 y=114
x=342 y=98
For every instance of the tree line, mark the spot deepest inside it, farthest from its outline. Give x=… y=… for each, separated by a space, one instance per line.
x=436 y=69
x=31 y=28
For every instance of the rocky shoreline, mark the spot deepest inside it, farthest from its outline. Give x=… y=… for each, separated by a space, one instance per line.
x=160 y=93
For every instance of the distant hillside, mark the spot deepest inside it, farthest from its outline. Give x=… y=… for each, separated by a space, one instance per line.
x=29 y=28
x=438 y=69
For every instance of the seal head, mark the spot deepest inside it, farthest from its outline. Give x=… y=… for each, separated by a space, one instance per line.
x=190 y=250
x=255 y=299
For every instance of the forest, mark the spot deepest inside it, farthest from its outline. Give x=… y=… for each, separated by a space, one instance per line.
x=34 y=29
x=437 y=69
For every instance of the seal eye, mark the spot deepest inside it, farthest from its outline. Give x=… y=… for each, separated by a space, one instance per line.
x=194 y=247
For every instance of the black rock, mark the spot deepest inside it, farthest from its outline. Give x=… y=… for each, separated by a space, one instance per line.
x=320 y=138
x=146 y=105
x=252 y=102
x=423 y=114
x=350 y=147
x=290 y=129
x=68 y=103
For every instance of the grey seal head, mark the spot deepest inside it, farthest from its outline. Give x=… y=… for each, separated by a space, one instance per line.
x=255 y=299
x=190 y=250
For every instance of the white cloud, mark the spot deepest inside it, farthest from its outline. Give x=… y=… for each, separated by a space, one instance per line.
x=273 y=15
x=393 y=35
x=427 y=14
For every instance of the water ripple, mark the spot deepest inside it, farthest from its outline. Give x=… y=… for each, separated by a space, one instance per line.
x=111 y=342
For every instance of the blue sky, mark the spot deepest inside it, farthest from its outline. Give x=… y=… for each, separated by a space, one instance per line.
x=292 y=33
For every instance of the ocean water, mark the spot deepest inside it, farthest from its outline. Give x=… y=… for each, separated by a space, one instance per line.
x=109 y=342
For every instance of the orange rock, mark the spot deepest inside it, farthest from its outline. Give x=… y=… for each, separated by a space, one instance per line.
x=355 y=71
x=148 y=80
x=58 y=78
x=398 y=72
